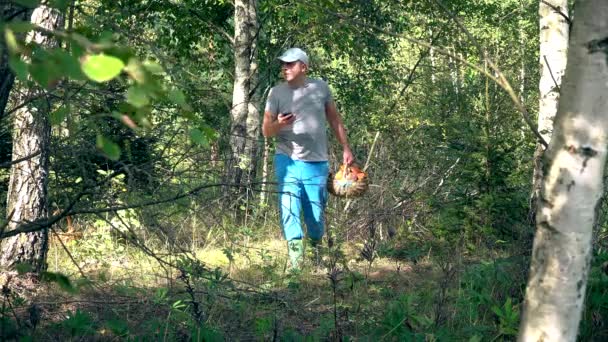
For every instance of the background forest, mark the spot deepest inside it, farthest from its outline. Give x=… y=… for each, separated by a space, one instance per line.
x=158 y=194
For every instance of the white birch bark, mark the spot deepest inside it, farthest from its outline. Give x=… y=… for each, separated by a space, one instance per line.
x=245 y=113
x=252 y=146
x=553 y=55
x=572 y=186
x=432 y=58
x=27 y=193
x=453 y=65
x=554 y=36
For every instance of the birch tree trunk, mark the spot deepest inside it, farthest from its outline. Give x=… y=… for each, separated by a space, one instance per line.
x=554 y=35
x=252 y=147
x=245 y=113
x=432 y=58
x=572 y=185
x=27 y=192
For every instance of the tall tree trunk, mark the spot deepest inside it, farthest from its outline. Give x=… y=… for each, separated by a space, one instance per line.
x=453 y=65
x=572 y=185
x=253 y=145
x=9 y=12
x=554 y=34
x=522 y=68
x=245 y=113
x=27 y=193
x=432 y=58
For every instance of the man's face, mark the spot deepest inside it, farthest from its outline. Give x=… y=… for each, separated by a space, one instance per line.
x=292 y=70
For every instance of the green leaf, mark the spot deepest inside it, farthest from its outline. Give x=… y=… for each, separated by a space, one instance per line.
x=101 y=67
x=109 y=148
x=20 y=26
x=153 y=67
x=122 y=52
x=198 y=137
x=40 y=74
x=209 y=132
x=77 y=50
x=126 y=108
x=19 y=67
x=68 y=64
x=142 y=116
x=59 y=115
x=60 y=279
x=11 y=41
x=179 y=98
x=44 y=69
x=137 y=96
x=27 y=3
x=136 y=71
x=23 y=267
x=118 y=327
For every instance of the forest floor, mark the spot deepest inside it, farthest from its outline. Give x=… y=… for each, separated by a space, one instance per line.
x=246 y=293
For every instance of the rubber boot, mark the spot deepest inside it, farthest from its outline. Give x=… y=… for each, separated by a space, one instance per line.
x=295 y=249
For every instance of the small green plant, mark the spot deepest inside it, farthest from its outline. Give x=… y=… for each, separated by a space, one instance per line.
x=77 y=324
x=402 y=321
x=264 y=327
x=508 y=317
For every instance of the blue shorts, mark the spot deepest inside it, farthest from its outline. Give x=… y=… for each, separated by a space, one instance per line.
x=302 y=187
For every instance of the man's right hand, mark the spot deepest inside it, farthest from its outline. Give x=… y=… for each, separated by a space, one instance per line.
x=286 y=119
x=272 y=126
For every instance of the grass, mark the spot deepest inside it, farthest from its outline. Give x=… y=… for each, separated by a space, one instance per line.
x=246 y=292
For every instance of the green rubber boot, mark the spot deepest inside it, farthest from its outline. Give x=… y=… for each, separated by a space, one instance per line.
x=295 y=249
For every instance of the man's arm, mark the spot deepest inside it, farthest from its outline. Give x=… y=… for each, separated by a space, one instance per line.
x=271 y=127
x=335 y=121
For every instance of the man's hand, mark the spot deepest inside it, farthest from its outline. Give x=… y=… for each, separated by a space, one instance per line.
x=286 y=119
x=347 y=156
x=271 y=127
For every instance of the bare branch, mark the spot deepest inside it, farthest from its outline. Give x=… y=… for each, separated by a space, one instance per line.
x=45 y=223
x=6 y=165
x=551 y=73
x=40 y=224
x=558 y=10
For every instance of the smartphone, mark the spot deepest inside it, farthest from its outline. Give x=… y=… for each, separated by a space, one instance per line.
x=285 y=114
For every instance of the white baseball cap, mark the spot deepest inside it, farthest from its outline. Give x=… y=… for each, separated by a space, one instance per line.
x=294 y=54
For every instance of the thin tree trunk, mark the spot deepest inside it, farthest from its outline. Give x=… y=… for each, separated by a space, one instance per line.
x=554 y=35
x=522 y=70
x=253 y=113
x=240 y=93
x=453 y=64
x=244 y=114
x=265 y=167
x=27 y=192
x=432 y=58
x=572 y=186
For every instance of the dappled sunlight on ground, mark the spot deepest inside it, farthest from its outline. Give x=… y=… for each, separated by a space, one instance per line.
x=122 y=281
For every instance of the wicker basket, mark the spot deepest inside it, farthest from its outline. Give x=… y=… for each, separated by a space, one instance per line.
x=349 y=181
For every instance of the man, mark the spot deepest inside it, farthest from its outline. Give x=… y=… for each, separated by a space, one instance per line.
x=296 y=113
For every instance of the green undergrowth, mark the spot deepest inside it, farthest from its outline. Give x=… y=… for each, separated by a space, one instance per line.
x=412 y=292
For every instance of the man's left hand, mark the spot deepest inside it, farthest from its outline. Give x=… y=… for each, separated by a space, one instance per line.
x=347 y=156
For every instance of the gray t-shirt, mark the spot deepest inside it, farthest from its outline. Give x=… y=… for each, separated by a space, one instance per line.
x=306 y=138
